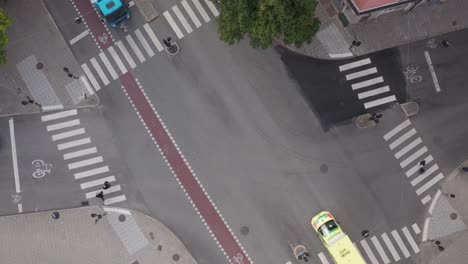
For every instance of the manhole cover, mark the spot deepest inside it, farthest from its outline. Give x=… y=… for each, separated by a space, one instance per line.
x=175 y=257
x=453 y=216
x=39 y=65
x=324 y=168
x=244 y=230
x=55 y=215
x=122 y=218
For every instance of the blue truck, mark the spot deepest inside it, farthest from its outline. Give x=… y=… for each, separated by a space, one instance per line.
x=114 y=12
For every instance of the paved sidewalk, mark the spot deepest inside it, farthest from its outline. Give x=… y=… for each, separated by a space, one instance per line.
x=120 y=236
x=34 y=79
x=333 y=41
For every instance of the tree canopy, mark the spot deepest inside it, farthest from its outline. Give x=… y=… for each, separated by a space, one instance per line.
x=4 y=22
x=292 y=21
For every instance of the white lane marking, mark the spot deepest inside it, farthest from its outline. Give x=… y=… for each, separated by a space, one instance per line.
x=323 y=258
x=79 y=37
x=108 y=65
x=68 y=134
x=380 y=250
x=413 y=156
x=74 y=143
x=153 y=37
x=20 y=208
x=424 y=175
x=90 y=76
x=408 y=147
x=360 y=74
x=62 y=125
x=117 y=60
x=114 y=200
x=366 y=83
x=58 y=115
x=126 y=54
x=416 y=229
x=143 y=42
x=416 y=167
x=380 y=101
x=117 y=210
x=355 y=64
x=436 y=197
x=97 y=182
x=374 y=92
x=191 y=13
x=397 y=129
x=14 y=155
x=369 y=252
x=84 y=163
x=426 y=225
x=403 y=138
x=212 y=7
x=112 y=189
x=173 y=24
x=182 y=19
x=429 y=184
x=201 y=10
x=426 y=199
x=410 y=239
x=52 y=107
x=431 y=69
x=87 y=85
x=99 y=71
x=92 y=172
x=79 y=153
x=390 y=247
x=400 y=243
x=340 y=55
x=135 y=48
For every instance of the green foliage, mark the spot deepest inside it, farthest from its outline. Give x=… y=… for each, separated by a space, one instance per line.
x=4 y=22
x=293 y=21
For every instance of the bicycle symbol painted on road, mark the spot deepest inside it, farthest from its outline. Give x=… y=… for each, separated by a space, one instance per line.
x=103 y=39
x=238 y=259
x=431 y=44
x=410 y=74
x=42 y=169
x=16 y=198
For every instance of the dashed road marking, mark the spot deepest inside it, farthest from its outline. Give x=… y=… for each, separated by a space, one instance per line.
x=424 y=175
x=90 y=76
x=429 y=184
x=126 y=54
x=380 y=250
x=98 y=182
x=374 y=92
x=79 y=37
x=380 y=101
x=403 y=138
x=323 y=258
x=416 y=229
x=369 y=252
x=360 y=74
x=413 y=157
x=117 y=60
x=114 y=188
x=113 y=200
x=397 y=129
x=366 y=83
x=212 y=8
x=410 y=239
x=408 y=147
x=431 y=69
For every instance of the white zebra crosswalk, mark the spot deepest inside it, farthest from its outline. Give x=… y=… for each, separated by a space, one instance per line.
x=87 y=166
x=380 y=248
x=410 y=149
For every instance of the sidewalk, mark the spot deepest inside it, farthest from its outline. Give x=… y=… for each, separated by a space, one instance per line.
x=34 y=79
x=121 y=236
x=333 y=41
x=446 y=222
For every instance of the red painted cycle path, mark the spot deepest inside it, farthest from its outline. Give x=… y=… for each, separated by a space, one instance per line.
x=207 y=210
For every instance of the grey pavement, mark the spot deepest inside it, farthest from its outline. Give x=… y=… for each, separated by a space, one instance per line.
x=78 y=236
x=333 y=41
x=34 y=79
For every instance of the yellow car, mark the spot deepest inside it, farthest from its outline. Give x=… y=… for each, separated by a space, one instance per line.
x=335 y=240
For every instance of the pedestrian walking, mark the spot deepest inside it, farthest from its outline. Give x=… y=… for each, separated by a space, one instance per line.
x=97 y=216
x=167 y=42
x=106 y=185
x=422 y=163
x=100 y=195
x=445 y=43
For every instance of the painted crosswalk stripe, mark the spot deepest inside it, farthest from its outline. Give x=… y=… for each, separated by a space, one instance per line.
x=145 y=44
x=212 y=7
x=84 y=80
x=373 y=92
x=397 y=129
x=79 y=37
x=90 y=76
x=68 y=134
x=182 y=19
x=390 y=247
x=429 y=184
x=135 y=48
x=84 y=163
x=117 y=60
x=416 y=229
x=408 y=147
x=126 y=54
x=380 y=101
x=92 y=172
x=173 y=24
x=191 y=13
x=369 y=252
x=410 y=239
x=79 y=153
x=413 y=157
x=360 y=74
x=201 y=10
x=403 y=138
x=97 y=182
x=108 y=65
x=62 y=125
x=354 y=64
x=366 y=83
x=426 y=199
x=400 y=243
x=111 y=189
x=153 y=37
x=74 y=143
x=424 y=175
x=416 y=167
x=58 y=115
x=323 y=258
x=380 y=250
x=100 y=72
x=114 y=200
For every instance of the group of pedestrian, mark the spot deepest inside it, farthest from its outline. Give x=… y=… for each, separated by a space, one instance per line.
x=422 y=163
x=104 y=187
